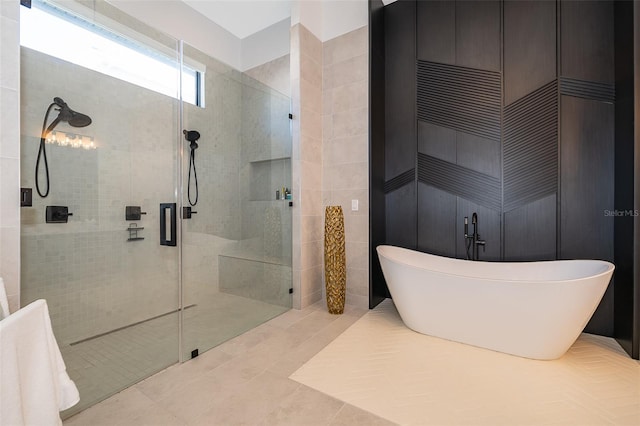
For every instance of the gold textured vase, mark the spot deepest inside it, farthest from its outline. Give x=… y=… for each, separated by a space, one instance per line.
x=335 y=262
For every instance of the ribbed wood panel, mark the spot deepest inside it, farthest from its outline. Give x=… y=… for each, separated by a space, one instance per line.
x=466 y=183
x=531 y=147
x=399 y=181
x=588 y=89
x=460 y=98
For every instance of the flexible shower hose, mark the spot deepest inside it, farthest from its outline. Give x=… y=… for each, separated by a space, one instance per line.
x=42 y=152
x=192 y=164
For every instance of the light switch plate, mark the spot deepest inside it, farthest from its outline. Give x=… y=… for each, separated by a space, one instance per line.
x=354 y=205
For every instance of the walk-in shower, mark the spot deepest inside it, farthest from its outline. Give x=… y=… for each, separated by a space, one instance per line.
x=124 y=306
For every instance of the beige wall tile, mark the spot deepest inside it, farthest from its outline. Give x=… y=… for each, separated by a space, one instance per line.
x=311 y=176
x=311 y=254
x=349 y=71
x=327 y=127
x=310 y=299
x=351 y=176
x=10 y=195
x=356 y=228
x=358 y=281
x=274 y=74
x=311 y=202
x=351 y=123
x=10 y=36
x=310 y=123
x=311 y=96
x=10 y=151
x=357 y=255
x=346 y=46
x=296 y=282
x=310 y=70
x=9 y=123
x=351 y=149
x=361 y=302
x=10 y=263
x=312 y=228
x=312 y=281
x=310 y=45
x=311 y=149
x=10 y=9
x=327 y=96
x=349 y=96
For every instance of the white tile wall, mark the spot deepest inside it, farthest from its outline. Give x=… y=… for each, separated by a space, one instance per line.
x=10 y=150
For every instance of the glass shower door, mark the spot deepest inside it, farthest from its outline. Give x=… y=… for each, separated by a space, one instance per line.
x=111 y=287
x=236 y=263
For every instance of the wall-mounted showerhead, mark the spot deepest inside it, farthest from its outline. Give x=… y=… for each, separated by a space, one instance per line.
x=192 y=136
x=75 y=119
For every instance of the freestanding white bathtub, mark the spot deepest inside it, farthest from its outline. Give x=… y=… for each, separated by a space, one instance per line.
x=530 y=309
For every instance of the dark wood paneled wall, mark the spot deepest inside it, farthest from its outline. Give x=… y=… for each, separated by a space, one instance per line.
x=587 y=147
x=509 y=109
x=626 y=327
x=377 y=288
x=400 y=124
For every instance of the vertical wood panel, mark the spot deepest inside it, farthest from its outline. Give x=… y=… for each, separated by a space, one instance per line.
x=436 y=221
x=401 y=211
x=624 y=176
x=478 y=41
x=437 y=141
x=587 y=188
x=400 y=88
x=530 y=231
x=480 y=154
x=377 y=287
x=587 y=179
x=436 y=41
x=529 y=47
x=586 y=29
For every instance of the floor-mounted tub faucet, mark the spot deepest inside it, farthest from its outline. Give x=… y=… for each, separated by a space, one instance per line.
x=473 y=241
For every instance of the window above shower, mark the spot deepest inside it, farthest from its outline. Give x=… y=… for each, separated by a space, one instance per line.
x=126 y=56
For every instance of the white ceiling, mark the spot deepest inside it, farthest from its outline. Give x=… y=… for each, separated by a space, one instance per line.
x=243 y=18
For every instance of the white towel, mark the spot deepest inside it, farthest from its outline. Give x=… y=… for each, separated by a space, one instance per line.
x=4 y=303
x=34 y=384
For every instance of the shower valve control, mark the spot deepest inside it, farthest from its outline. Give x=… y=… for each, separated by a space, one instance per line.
x=57 y=214
x=187 y=212
x=133 y=212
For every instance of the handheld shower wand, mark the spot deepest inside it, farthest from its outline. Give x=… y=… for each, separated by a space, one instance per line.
x=75 y=119
x=192 y=136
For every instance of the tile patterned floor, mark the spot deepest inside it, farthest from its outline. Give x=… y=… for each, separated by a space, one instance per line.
x=102 y=366
x=366 y=368
x=242 y=381
x=382 y=367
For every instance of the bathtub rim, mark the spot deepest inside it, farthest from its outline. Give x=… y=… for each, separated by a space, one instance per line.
x=610 y=267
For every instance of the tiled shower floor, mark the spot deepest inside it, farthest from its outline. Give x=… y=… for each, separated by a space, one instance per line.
x=103 y=366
